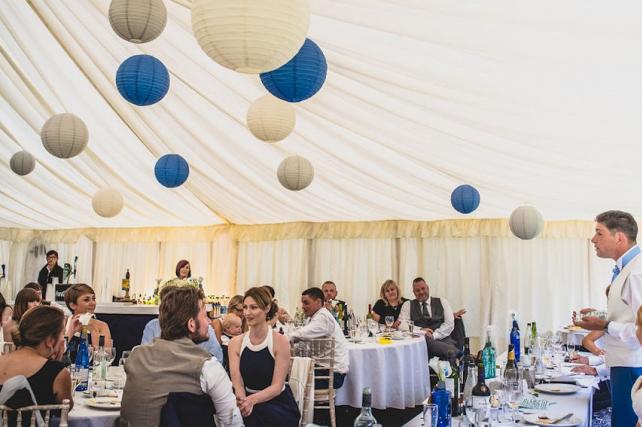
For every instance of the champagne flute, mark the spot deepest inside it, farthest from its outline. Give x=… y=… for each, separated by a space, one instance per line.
x=390 y=320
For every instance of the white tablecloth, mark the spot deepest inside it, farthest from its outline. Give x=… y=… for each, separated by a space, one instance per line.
x=396 y=373
x=84 y=416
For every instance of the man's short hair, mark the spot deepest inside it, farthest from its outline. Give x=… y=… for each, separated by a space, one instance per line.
x=75 y=291
x=315 y=293
x=417 y=280
x=619 y=221
x=328 y=282
x=52 y=252
x=35 y=286
x=177 y=307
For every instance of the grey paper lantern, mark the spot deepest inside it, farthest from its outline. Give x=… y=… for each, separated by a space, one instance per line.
x=295 y=173
x=138 y=21
x=22 y=163
x=64 y=135
x=270 y=119
x=526 y=222
x=107 y=202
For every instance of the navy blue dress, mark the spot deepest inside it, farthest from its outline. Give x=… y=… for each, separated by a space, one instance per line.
x=257 y=368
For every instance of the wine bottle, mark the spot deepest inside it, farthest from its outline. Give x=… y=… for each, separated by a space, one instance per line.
x=481 y=392
x=452 y=383
x=82 y=360
x=515 y=338
x=527 y=340
x=365 y=418
x=488 y=356
x=467 y=360
x=369 y=315
x=101 y=358
x=66 y=356
x=533 y=335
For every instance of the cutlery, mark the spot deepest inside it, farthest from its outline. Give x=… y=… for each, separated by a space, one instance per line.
x=569 y=415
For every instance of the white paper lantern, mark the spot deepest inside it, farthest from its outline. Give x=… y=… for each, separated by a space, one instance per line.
x=107 y=202
x=526 y=222
x=250 y=36
x=138 y=21
x=64 y=135
x=22 y=163
x=270 y=119
x=295 y=173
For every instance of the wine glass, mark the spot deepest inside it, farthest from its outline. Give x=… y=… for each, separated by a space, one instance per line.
x=390 y=320
x=111 y=354
x=373 y=327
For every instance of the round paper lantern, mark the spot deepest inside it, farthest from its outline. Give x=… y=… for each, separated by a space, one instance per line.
x=270 y=119
x=465 y=199
x=295 y=173
x=22 y=163
x=107 y=202
x=142 y=80
x=526 y=222
x=171 y=170
x=301 y=77
x=64 y=135
x=137 y=21
x=250 y=36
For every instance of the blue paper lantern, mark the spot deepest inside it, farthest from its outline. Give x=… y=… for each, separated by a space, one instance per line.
x=299 y=78
x=465 y=199
x=142 y=80
x=171 y=170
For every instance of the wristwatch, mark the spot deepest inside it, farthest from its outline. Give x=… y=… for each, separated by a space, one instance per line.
x=606 y=326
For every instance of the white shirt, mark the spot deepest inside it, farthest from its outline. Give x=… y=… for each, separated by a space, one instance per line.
x=441 y=332
x=322 y=324
x=216 y=384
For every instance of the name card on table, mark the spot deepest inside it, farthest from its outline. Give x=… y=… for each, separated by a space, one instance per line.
x=534 y=403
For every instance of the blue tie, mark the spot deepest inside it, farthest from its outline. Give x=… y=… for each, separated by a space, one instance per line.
x=616 y=271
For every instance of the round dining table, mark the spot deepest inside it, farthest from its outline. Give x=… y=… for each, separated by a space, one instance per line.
x=83 y=415
x=397 y=373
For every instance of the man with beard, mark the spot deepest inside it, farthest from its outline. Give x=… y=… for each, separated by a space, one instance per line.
x=175 y=363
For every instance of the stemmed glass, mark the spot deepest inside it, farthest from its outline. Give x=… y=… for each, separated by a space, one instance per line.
x=373 y=327
x=390 y=320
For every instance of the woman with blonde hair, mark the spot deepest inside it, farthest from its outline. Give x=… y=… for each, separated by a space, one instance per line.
x=235 y=306
x=389 y=304
x=259 y=363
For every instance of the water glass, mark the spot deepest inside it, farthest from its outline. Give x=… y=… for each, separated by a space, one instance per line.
x=390 y=320
x=430 y=415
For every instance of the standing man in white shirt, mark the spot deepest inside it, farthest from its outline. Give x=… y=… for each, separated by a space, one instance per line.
x=615 y=238
x=322 y=324
x=434 y=316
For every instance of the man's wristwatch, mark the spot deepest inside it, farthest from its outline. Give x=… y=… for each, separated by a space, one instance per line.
x=606 y=326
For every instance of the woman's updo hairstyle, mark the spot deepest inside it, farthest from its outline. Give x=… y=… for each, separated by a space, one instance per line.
x=263 y=300
x=38 y=324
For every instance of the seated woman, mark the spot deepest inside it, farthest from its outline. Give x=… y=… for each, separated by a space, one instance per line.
x=389 y=304
x=183 y=270
x=40 y=343
x=25 y=299
x=235 y=306
x=5 y=311
x=80 y=299
x=259 y=363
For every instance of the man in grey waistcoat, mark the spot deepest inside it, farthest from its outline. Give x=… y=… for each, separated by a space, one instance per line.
x=432 y=315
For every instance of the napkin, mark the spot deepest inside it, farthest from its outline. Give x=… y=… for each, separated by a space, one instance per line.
x=85 y=318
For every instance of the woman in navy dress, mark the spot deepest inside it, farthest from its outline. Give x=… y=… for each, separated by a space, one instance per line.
x=259 y=362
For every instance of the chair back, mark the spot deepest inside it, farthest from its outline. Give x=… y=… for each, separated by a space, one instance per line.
x=187 y=410
x=301 y=382
x=32 y=411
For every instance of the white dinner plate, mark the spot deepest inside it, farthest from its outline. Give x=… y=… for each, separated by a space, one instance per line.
x=534 y=419
x=103 y=402
x=556 y=388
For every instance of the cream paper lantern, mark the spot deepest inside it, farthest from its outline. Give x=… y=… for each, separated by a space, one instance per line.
x=22 y=163
x=270 y=119
x=250 y=36
x=295 y=173
x=138 y=21
x=526 y=222
x=107 y=202
x=64 y=135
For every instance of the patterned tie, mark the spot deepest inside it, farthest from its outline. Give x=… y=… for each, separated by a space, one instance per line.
x=424 y=309
x=616 y=271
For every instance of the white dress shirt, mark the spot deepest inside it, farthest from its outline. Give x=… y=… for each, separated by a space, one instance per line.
x=322 y=324
x=216 y=384
x=445 y=329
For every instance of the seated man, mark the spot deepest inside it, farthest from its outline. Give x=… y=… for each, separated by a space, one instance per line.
x=153 y=330
x=432 y=315
x=330 y=295
x=175 y=363
x=322 y=324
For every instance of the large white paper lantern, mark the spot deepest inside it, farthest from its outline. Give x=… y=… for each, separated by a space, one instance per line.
x=107 y=202
x=250 y=36
x=270 y=119
x=22 y=163
x=64 y=135
x=526 y=222
x=295 y=173
x=137 y=21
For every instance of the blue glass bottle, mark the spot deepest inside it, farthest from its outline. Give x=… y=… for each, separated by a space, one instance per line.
x=515 y=338
x=82 y=361
x=443 y=399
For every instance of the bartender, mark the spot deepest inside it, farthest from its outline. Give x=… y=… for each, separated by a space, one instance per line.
x=49 y=271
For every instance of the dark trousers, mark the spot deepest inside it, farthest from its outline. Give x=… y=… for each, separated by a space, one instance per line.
x=323 y=383
x=622 y=379
x=440 y=348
